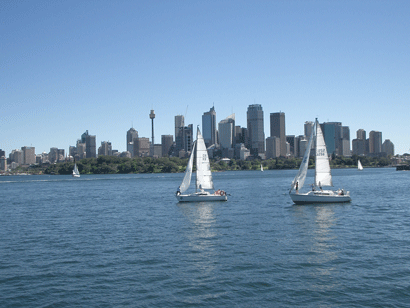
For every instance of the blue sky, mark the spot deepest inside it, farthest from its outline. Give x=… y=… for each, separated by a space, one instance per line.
x=101 y=66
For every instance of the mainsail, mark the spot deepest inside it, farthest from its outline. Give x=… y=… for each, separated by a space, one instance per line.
x=323 y=176
x=188 y=172
x=359 y=165
x=203 y=168
x=301 y=176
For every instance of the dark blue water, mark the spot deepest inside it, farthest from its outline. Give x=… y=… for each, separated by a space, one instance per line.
x=123 y=240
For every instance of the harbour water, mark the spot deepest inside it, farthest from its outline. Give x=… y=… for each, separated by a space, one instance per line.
x=123 y=240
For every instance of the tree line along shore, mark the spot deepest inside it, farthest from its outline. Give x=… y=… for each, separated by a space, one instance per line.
x=122 y=165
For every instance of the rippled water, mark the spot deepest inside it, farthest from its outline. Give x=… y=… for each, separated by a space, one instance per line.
x=123 y=240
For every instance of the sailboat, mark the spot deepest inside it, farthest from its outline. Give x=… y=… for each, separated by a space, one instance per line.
x=76 y=173
x=323 y=176
x=203 y=176
x=359 y=165
x=261 y=168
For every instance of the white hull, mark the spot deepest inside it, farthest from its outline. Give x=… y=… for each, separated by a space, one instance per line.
x=76 y=175
x=198 y=197
x=326 y=196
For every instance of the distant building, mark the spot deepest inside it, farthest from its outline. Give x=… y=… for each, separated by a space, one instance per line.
x=29 y=155
x=375 y=142
x=388 y=147
x=277 y=129
x=141 y=147
x=226 y=130
x=90 y=145
x=345 y=141
x=209 y=127
x=53 y=155
x=185 y=139
x=105 y=149
x=359 y=147
x=166 y=141
x=179 y=123
x=3 y=163
x=256 y=135
x=131 y=135
x=273 y=147
x=361 y=134
x=293 y=143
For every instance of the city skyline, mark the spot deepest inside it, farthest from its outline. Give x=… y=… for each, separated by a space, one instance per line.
x=71 y=67
x=132 y=132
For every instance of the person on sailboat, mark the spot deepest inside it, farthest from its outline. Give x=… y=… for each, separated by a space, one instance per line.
x=297 y=187
x=178 y=191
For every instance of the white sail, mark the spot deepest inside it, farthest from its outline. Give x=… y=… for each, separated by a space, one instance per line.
x=301 y=176
x=76 y=173
x=261 y=168
x=188 y=172
x=323 y=177
x=359 y=165
x=203 y=168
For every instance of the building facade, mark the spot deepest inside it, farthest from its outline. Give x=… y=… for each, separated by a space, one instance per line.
x=277 y=129
x=256 y=135
x=209 y=127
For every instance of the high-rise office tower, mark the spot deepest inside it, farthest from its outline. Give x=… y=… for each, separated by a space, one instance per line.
x=332 y=134
x=166 y=142
x=131 y=135
x=256 y=135
x=105 y=148
x=277 y=129
x=179 y=122
x=29 y=155
x=375 y=142
x=361 y=134
x=345 y=141
x=226 y=130
x=388 y=147
x=209 y=127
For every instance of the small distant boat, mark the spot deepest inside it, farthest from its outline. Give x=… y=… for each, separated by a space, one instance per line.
x=323 y=176
x=203 y=176
x=76 y=173
x=359 y=165
x=261 y=168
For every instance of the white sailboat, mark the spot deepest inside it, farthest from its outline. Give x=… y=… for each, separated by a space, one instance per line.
x=203 y=176
x=261 y=168
x=323 y=176
x=76 y=173
x=359 y=165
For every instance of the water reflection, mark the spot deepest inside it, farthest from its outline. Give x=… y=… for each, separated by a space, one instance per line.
x=319 y=246
x=199 y=230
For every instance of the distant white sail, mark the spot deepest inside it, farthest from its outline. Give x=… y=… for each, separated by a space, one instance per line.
x=323 y=177
x=76 y=173
x=188 y=172
x=301 y=176
x=203 y=167
x=359 y=165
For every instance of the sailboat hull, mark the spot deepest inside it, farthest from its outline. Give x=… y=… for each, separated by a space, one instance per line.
x=326 y=196
x=198 y=197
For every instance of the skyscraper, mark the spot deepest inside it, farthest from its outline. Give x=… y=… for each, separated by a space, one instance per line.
x=209 y=127
x=29 y=155
x=166 y=142
x=226 y=130
x=332 y=134
x=90 y=145
x=131 y=135
x=256 y=135
x=277 y=129
x=179 y=133
x=375 y=142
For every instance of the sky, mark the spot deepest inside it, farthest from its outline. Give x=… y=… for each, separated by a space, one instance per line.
x=71 y=66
